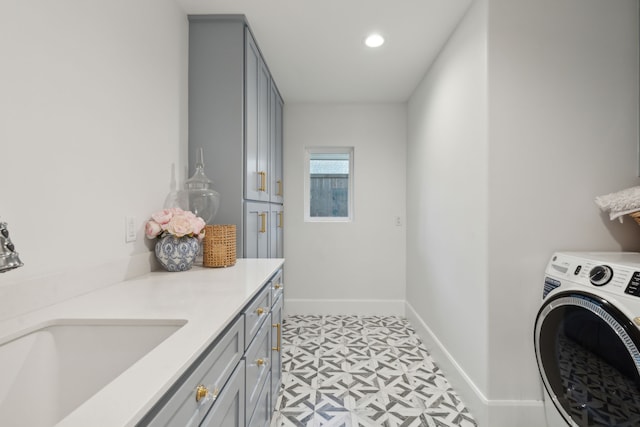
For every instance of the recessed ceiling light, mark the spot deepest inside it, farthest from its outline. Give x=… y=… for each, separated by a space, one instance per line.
x=374 y=40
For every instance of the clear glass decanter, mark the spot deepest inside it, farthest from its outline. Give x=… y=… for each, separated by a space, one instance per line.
x=198 y=195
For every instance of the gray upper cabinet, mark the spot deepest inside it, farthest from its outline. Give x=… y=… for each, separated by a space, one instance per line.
x=276 y=192
x=257 y=81
x=235 y=115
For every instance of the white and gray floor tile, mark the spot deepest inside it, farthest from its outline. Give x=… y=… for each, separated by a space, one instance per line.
x=350 y=371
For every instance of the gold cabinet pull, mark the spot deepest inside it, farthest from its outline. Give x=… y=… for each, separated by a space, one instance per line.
x=260 y=362
x=277 y=286
x=263 y=181
x=278 y=327
x=202 y=392
x=263 y=222
x=279 y=182
x=280 y=217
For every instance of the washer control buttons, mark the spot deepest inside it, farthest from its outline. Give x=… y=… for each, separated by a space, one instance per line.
x=633 y=288
x=600 y=275
x=577 y=270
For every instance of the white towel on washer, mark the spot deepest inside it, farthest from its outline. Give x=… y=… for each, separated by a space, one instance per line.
x=620 y=203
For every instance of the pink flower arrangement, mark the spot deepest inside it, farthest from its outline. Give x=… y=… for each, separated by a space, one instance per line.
x=174 y=221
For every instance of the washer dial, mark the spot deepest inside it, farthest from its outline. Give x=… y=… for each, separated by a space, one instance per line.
x=600 y=275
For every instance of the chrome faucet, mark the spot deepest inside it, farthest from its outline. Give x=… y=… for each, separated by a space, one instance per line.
x=9 y=258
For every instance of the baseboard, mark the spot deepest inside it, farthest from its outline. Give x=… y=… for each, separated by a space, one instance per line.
x=345 y=307
x=489 y=413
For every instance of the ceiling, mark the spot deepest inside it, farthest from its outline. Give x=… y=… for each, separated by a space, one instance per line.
x=315 y=49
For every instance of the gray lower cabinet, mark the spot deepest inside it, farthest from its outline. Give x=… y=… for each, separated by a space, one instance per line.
x=276 y=347
x=194 y=395
x=258 y=368
x=229 y=408
x=262 y=415
x=234 y=383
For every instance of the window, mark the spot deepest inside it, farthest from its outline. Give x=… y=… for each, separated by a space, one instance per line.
x=329 y=184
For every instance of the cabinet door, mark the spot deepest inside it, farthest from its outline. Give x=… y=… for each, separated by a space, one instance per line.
x=275 y=134
x=258 y=367
x=257 y=88
x=262 y=414
x=276 y=349
x=228 y=409
x=276 y=231
x=256 y=230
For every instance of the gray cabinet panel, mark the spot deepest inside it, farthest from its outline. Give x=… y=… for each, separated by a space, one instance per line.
x=235 y=115
x=228 y=410
x=216 y=110
x=276 y=231
x=256 y=313
x=256 y=125
x=276 y=347
x=258 y=365
x=262 y=414
x=256 y=223
x=275 y=137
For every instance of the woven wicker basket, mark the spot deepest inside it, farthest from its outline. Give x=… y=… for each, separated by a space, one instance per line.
x=219 y=246
x=635 y=215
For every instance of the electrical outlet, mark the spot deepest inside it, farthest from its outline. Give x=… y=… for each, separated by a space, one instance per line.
x=130 y=229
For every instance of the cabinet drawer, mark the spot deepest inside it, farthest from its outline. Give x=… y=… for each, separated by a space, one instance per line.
x=211 y=371
x=228 y=409
x=262 y=414
x=277 y=286
x=258 y=365
x=255 y=313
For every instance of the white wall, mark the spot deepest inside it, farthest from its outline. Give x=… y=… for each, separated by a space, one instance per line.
x=93 y=112
x=560 y=116
x=563 y=119
x=360 y=265
x=447 y=207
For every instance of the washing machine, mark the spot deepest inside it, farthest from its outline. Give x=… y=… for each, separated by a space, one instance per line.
x=587 y=339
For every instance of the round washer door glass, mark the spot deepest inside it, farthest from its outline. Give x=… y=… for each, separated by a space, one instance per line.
x=587 y=353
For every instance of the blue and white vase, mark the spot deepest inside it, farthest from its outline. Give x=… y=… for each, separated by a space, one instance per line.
x=177 y=253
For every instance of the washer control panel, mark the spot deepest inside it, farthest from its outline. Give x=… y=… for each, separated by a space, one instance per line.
x=600 y=275
x=615 y=273
x=633 y=288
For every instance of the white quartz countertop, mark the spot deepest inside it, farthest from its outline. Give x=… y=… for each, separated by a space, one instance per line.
x=208 y=299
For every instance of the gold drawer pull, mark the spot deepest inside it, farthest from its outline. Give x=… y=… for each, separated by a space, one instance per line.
x=279 y=188
x=260 y=362
x=202 y=392
x=260 y=311
x=263 y=181
x=280 y=215
x=277 y=286
x=278 y=327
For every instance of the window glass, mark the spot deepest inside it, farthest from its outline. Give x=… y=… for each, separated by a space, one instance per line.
x=329 y=184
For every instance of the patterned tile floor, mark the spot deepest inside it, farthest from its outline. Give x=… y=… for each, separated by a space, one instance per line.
x=362 y=371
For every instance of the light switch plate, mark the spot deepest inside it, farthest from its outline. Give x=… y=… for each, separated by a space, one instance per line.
x=130 y=229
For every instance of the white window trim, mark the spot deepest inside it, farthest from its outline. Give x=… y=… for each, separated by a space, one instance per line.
x=308 y=151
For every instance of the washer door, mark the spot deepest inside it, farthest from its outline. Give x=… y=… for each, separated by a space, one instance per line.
x=587 y=353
